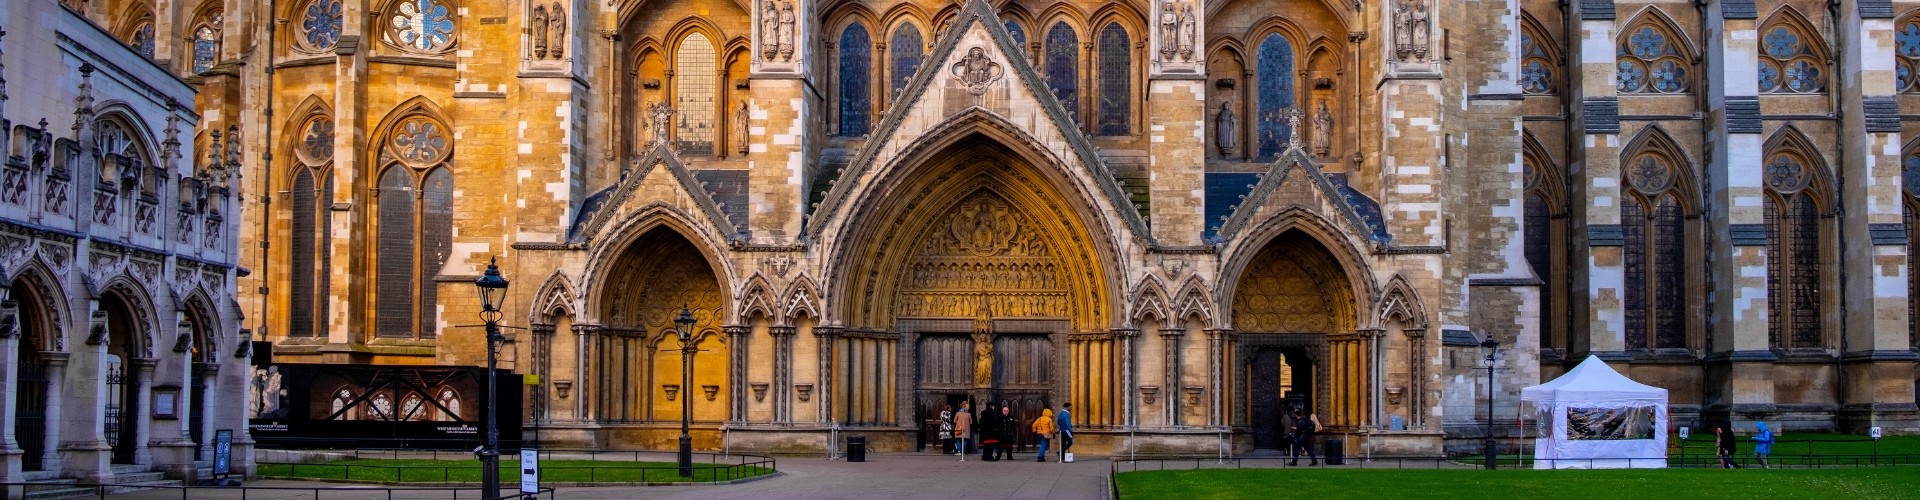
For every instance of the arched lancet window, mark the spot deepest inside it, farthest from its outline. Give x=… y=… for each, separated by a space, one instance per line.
x=905 y=51
x=1063 y=67
x=1790 y=60
x=381 y=406
x=1652 y=224
x=1910 y=181
x=312 y=195
x=341 y=401
x=320 y=24
x=1906 y=42
x=1019 y=34
x=420 y=26
x=856 y=86
x=1793 y=252
x=1273 y=96
x=694 y=75
x=1650 y=61
x=1540 y=244
x=206 y=42
x=1116 y=77
x=1539 y=59
x=412 y=408
x=415 y=229
x=451 y=401
x=142 y=38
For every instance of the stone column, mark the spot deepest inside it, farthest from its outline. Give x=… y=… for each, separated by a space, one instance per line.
x=1175 y=120
x=1878 y=363
x=826 y=336
x=1174 y=386
x=142 y=410
x=1739 y=362
x=584 y=375
x=83 y=448
x=779 y=105
x=782 y=373
x=737 y=394
x=347 y=321
x=1594 y=222
x=56 y=390
x=10 y=452
x=210 y=389
x=1216 y=369
x=1129 y=386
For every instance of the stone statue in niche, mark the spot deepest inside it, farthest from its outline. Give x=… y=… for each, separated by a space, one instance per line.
x=786 y=31
x=976 y=71
x=659 y=120
x=539 y=27
x=1322 y=130
x=1169 y=30
x=557 y=28
x=1188 y=28
x=982 y=356
x=1225 y=129
x=1412 y=30
x=1294 y=116
x=740 y=130
x=769 y=30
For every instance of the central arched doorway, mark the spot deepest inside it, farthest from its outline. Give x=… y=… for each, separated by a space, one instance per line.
x=1294 y=309
x=974 y=279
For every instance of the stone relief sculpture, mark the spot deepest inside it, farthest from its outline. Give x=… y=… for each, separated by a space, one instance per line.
x=982 y=359
x=977 y=71
x=769 y=30
x=1322 y=130
x=1188 y=29
x=1169 y=30
x=1224 y=129
x=539 y=26
x=786 y=31
x=659 y=120
x=740 y=129
x=557 y=28
x=1294 y=116
x=1412 y=30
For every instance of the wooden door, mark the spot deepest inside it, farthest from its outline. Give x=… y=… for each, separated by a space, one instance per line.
x=1266 y=400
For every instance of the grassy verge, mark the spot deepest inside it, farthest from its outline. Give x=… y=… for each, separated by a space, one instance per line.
x=1744 y=484
x=458 y=471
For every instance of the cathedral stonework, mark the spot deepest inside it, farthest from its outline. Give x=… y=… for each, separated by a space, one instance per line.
x=1183 y=217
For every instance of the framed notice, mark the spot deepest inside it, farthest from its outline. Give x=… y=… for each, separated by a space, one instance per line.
x=166 y=404
x=529 y=471
x=222 y=452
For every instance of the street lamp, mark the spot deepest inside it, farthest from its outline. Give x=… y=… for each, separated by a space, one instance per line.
x=492 y=289
x=683 y=325
x=1492 y=347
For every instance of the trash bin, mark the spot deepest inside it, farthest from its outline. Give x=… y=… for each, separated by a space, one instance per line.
x=1335 y=451
x=856 y=448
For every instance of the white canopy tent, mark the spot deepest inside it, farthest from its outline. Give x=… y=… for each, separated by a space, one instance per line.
x=1600 y=420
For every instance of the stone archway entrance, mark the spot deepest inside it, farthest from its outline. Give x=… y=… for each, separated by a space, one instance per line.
x=635 y=356
x=1294 y=309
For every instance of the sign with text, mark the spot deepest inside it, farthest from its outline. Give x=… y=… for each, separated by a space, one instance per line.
x=223 y=452
x=529 y=471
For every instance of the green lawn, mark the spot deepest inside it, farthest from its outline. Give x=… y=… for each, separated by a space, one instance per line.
x=458 y=471
x=1821 y=444
x=1743 y=484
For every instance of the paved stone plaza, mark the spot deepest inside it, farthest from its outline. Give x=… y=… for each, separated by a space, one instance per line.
x=883 y=476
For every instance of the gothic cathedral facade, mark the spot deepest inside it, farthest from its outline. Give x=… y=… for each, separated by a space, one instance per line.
x=1183 y=217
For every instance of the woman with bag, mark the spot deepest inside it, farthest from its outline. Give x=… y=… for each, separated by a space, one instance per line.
x=946 y=430
x=962 y=424
x=1044 y=428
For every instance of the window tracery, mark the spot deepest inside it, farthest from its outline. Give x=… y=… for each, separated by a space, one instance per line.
x=1792 y=219
x=1650 y=61
x=423 y=26
x=695 y=84
x=1116 y=76
x=1789 y=61
x=856 y=73
x=1653 y=228
x=1063 y=67
x=1273 y=96
x=142 y=39
x=414 y=228
x=1906 y=42
x=320 y=25
x=1539 y=62
x=906 y=49
x=206 y=42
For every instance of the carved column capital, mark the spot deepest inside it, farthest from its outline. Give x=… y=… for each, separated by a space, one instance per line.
x=1125 y=332
x=1220 y=333
x=1171 y=333
x=736 y=331
x=782 y=331
x=827 y=331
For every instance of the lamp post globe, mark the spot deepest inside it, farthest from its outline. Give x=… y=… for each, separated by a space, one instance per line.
x=1492 y=348
x=492 y=289
x=683 y=326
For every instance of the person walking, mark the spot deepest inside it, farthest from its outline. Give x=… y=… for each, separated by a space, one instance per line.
x=962 y=424
x=1725 y=446
x=1303 y=428
x=1044 y=428
x=1762 y=443
x=989 y=433
x=946 y=430
x=1008 y=425
x=1064 y=422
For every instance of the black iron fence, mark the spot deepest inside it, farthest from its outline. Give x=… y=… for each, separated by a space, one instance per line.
x=1466 y=462
x=143 y=492
x=709 y=467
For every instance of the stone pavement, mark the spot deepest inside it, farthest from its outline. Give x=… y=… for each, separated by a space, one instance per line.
x=888 y=476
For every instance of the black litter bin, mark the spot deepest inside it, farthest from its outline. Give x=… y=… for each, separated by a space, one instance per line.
x=856 y=448
x=1335 y=451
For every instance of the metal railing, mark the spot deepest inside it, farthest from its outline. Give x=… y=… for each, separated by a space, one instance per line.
x=146 y=492
x=1468 y=462
x=715 y=469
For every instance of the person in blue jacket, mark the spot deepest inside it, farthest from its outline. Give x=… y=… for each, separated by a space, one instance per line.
x=1065 y=422
x=1762 y=443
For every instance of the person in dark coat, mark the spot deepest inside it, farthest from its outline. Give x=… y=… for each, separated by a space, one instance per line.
x=1726 y=446
x=990 y=433
x=1303 y=428
x=1008 y=425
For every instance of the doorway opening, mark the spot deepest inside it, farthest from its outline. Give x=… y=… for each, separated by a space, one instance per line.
x=1280 y=379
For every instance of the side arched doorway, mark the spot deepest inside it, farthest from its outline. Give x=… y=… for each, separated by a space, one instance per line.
x=973 y=277
x=32 y=371
x=635 y=356
x=127 y=366
x=1294 y=311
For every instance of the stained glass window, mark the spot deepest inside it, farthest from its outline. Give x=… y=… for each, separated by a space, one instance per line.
x=1116 y=75
x=1273 y=95
x=1650 y=63
x=1633 y=231
x=1788 y=63
x=1653 y=223
x=436 y=241
x=340 y=400
x=394 y=263
x=1669 y=274
x=320 y=29
x=1775 y=249
x=1793 y=256
x=1537 y=63
x=301 y=307
x=1906 y=42
x=420 y=25
x=856 y=73
x=142 y=41
x=452 y=403
x=906 y=49
x=1063 y=67
x=694 y=75
x=1539 y=251
x=1019 y=34
x=206 y=46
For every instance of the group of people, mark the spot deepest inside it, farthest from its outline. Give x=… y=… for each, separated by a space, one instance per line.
x=1727 y=446
x=996 y=426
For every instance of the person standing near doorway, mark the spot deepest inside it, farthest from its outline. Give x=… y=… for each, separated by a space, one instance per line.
x=1064 y=421
x=946 y=430
x=962 y=423
x=1008 y=425
x=1303 y=428
x=989 y=425
x=1044 y=428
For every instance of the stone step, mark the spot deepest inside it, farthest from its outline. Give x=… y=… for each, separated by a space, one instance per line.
x=138 y=477
x=39 y=475
x=50 y=484
x=57 y=493
x=140 y=486
x=128 y=468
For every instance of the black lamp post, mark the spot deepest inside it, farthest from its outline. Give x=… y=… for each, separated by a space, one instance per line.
x=683 y=325
x=492 y=288
x=1492 y=347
